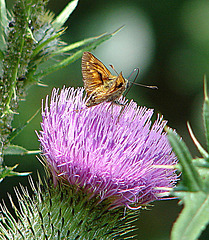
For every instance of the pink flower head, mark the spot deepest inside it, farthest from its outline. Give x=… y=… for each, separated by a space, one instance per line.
x=108 y=152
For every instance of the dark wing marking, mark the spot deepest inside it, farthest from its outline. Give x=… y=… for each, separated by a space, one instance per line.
x=94 y=72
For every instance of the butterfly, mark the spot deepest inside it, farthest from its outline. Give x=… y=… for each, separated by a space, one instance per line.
x=99 y=83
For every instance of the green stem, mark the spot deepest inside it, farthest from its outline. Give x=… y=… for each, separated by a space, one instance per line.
x=13 y=81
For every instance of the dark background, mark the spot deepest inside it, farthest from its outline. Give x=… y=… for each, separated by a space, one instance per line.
x=169 y=41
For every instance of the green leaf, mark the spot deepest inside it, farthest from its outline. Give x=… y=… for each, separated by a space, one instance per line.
x=193 y=218
x=200 y=163
x=60 y=65
x=64 y=15
x=97 y=41
x=206 y=113
x=198 y=145
x=3 y=22
x=195 y=172
x=79 y=44
x=43 y=44
x=191 y=178
x=3 y=12
x=8 y=172
x=18 y=150
x=1 y=54
x=203 y=170
x=20 y=128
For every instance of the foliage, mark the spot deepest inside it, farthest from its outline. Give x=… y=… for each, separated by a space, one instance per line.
x=193 y=190
x=30 y=37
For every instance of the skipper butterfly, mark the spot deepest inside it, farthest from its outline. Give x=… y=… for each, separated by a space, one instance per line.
x=99 y=83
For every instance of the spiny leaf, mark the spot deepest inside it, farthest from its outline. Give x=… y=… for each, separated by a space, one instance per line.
x=3 y=22
x=64 y=15
x=3 y=12
x=78 y=44
x=198 y=145
x=193 y=218
x=8 y=172
x=200 y=163
x=1 y=54
x=18 y=150
x=206 y=113
x=203 y=170
x=20 y=128
x=43 y=44
x=191 y=178
x=76 y=55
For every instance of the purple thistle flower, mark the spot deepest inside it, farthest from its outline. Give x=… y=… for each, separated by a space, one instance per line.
x=109 y=153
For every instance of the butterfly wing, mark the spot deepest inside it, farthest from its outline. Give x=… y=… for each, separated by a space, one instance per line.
x=117 y=88
x=108 y=94
x=99 y=83
x=95 y=74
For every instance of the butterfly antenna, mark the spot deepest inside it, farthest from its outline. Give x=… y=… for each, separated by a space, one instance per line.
x=129 y=87
x=135 y=69
x=133 y=82
x=147 y=86
x=113 y=69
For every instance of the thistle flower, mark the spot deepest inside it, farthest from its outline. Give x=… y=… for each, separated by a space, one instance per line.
x=101 y=159
x=110 y=153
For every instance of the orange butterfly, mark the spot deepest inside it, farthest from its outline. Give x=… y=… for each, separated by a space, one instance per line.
x=99 y=83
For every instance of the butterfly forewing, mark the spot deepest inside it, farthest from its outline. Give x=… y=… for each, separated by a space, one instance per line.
x=94 y=72
x=99 y=83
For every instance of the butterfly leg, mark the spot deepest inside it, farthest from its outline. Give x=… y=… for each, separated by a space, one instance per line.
x=118 y=103
x=112 y=107
x=121 y=110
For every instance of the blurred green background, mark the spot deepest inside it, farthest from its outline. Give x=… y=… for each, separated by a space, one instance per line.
x=169 y=41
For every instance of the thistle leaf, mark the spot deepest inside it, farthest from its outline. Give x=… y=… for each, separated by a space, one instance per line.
x=195 y=173
x=43 y=44
x=8 y=172
x=18 y=150
x=92 y=43
x=198 y=145
x=191 y=177
x=193 y=218
x=18 y=130
x=64 y=15
x=79 y=44
x=3 y=22
x=201 y=163
x=3 y=13
x=206 y=112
